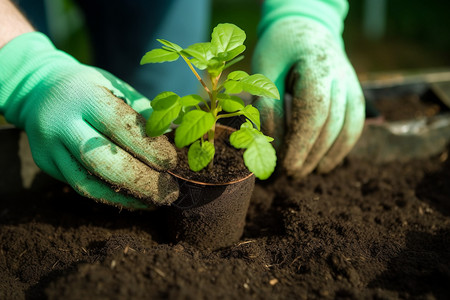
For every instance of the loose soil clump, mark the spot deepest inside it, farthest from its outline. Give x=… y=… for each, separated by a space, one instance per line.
x=364 y=231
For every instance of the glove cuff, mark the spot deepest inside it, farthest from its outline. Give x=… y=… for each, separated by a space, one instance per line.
x=329 y=13
x=25 y=62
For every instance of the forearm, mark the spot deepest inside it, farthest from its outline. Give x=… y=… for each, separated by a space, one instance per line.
x=12 y=22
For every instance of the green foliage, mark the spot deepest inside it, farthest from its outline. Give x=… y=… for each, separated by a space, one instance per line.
x=257 y=85
x=200 y=154
x=195 y=124
x=197 y=117
x=252 y=114
x=166 y=108
x=159 y=56
x=230 y=103
x=259 y=156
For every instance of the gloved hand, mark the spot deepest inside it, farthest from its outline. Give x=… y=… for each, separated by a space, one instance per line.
x=301 y=50
x=80 y=129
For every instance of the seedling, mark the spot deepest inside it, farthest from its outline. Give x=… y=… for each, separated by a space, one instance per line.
x=197 y=117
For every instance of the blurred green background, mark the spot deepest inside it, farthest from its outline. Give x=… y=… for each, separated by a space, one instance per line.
x=379 y=35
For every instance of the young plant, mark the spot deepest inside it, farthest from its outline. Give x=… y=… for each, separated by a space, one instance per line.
x=197 y=124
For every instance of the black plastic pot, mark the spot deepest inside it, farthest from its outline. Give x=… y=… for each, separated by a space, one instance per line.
x=210 y=215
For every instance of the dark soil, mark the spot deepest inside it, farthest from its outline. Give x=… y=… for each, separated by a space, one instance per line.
x=228 y=162
x=413 y=106
x=364 y=231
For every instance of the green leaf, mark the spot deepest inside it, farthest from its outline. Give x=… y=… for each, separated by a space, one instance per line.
x=260 y=85
x=233 y=86
x=200 y=154
x=191 y=100
x=227 y=40
x=243 y=137
x=233 y=61
x=256 y=84
x=229 y=55
x=215 y=67
x=164 y=100
x=194 y=125
x=181 y=114
x=230 y=103
x=269 y=139
x=201 y=53
x=252 y=113
x=233 y=83
x=247 y=125
x=159 y=121
x=260 y=158
x=159 y=56
x=237 y=75
x=184 y=110
x=170 y=45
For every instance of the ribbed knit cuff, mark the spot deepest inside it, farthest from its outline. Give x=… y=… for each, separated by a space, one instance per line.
x=330 y=13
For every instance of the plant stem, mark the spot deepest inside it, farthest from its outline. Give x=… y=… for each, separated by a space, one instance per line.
x=238 y=113
x=213 y=98
x=213 y=95
x=196 y=75
x=211 y=134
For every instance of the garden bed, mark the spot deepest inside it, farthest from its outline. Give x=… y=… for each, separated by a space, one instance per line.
x=364 y=231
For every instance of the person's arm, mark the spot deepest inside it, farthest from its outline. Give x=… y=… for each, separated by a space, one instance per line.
x=12 y=22
x=80 y=127
x=300 y=48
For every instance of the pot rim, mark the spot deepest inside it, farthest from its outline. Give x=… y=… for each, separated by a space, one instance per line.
x=208 y=183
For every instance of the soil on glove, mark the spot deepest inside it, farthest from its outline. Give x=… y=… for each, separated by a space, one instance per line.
x=363 y=231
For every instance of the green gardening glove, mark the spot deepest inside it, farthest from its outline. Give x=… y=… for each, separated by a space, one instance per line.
x=81 y=131
x=300 y=48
